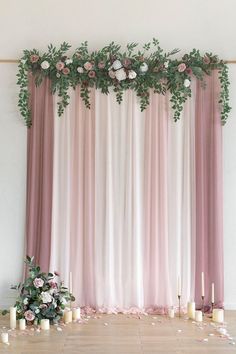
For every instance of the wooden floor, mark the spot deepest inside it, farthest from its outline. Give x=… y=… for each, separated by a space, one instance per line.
x=113 y=334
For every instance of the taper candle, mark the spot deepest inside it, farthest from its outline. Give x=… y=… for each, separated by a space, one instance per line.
x=179 y=286
x=212 y=293
x=203 y=285
x=22 y=324
x=45 y=324
x=4 y=337
x=12 y=317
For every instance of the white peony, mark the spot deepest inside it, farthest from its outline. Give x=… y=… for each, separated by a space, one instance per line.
x=132 y=74
x=45 y=65
x=166 y=64
x=187 y=82
x=143 y=68
x=80 y=70
x=46 y=297
x=68 y=61
x=120 y=74
x=116 y=65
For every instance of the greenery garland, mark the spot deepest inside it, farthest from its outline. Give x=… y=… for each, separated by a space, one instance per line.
x=141 y=70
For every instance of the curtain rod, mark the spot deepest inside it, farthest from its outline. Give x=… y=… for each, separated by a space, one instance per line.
x=16 y=61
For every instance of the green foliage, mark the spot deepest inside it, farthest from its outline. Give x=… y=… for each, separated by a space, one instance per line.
x=110 y=68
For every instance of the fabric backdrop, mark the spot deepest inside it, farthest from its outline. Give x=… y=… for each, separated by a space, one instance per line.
x=128 y=201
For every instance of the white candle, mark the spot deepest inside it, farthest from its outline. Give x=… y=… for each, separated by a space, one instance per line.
x=76 y=314
x=218 y=315
x=4 y=337
x=12 y=317
x=70 y=283
x=203 y=288
x=198 y=316
x=68 y=316
x=22 y=324
x=179 y=286
x=45 y=324
x=171 y=312
x=212 y=293
x=191 y=310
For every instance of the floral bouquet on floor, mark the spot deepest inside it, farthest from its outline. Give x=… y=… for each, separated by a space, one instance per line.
x=42 y=295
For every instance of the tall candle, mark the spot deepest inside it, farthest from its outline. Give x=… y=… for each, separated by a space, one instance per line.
x=218 y=315
x=70 y=283
x=22 y=324
x=45 y=324
x=191 y=310
x=212 y=293
x=203 y=287
x=68 y=316
x=4 y=337
x=76 y=314
x=179 y=286
x=12 y=317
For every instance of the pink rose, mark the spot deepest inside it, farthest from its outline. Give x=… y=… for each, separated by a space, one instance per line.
x=91 y=74
x=34 y=58
x=112 y=74
x=181 y=67
x=29 y=315
x=206 y=60
x=189 y=71
x=88 y=66
x=101 y=65
x=52 y=284
x=66 y=71
x=60 y=65
x=38 y=282
x=126 y=62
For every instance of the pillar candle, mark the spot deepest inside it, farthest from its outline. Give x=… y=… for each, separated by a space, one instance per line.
x=4 y=337
x=212 y=293
x=218 y=315
x=68 y=316
x=179 y=286
x=198 y=316
x=171 y=312
x=203 y=288
x=45 y=324
x=76 y=314
x=191 y=310
x=22 y=324
x=12 y=317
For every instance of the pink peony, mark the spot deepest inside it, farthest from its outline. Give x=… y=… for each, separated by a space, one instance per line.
x=112 y=74
x=29 y=315
x=38 y=282
x=34 y=58
x=101 y=65
x=91 y=74
x=66 y=71
x=88 y=65
x=181 y=67
x=60 y=65
x=206 y=60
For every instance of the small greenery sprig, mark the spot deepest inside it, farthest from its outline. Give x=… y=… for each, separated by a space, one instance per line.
x=149 y=68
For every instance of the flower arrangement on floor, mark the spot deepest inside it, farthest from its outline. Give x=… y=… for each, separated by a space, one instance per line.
x=139 y=70
x=41 y=296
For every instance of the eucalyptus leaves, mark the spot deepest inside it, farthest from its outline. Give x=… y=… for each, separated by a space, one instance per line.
x=139 y=70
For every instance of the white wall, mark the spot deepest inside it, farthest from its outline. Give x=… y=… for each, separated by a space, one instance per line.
x=204 y=24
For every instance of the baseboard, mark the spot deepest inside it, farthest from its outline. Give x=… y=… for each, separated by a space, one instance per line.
x=230 y=306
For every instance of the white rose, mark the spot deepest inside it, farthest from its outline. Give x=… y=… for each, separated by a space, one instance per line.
x=80 y=70
x=45 y=65
x=143 y=68
x=25 y=301
x=132 y=74
x=58 y=75
x=166 y=64
x=46 y=297
x=120 y=74
x=37 y=310
x=68 y=61
x=116 y=65
x=187 y=82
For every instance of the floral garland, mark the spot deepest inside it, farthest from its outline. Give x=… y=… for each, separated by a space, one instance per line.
x=139 y=70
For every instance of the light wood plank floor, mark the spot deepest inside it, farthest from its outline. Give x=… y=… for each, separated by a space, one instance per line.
x=123 y=334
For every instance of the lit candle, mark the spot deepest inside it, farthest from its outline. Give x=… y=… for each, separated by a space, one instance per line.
x=70 y=283
x=203 y=288
x=45 y=324
x=218 y=315
x=171 y=312
x=191 y=310
x=198 y=316
x=76 y=314
x=12 y=317
x=212 y=293
x=68 y=316
x=4 y=337
x=179 y=286
x=22 y=324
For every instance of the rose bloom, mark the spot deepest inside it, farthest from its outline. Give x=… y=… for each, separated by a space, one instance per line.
x=66 y=71
x=91 y=74
x=46 y=297
x=126 y=62
x=60 y=65
x=38 y=282
x=189 y=71
x=34 y=58
x=88 y=66
x=101 y=65
x=120 y=74
x=206 y=60
x=112 y=74
x=181 y=67
x=29 y=315
x=52 y=284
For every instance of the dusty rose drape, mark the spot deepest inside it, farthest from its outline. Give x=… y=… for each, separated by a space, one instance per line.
x=39 y=174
